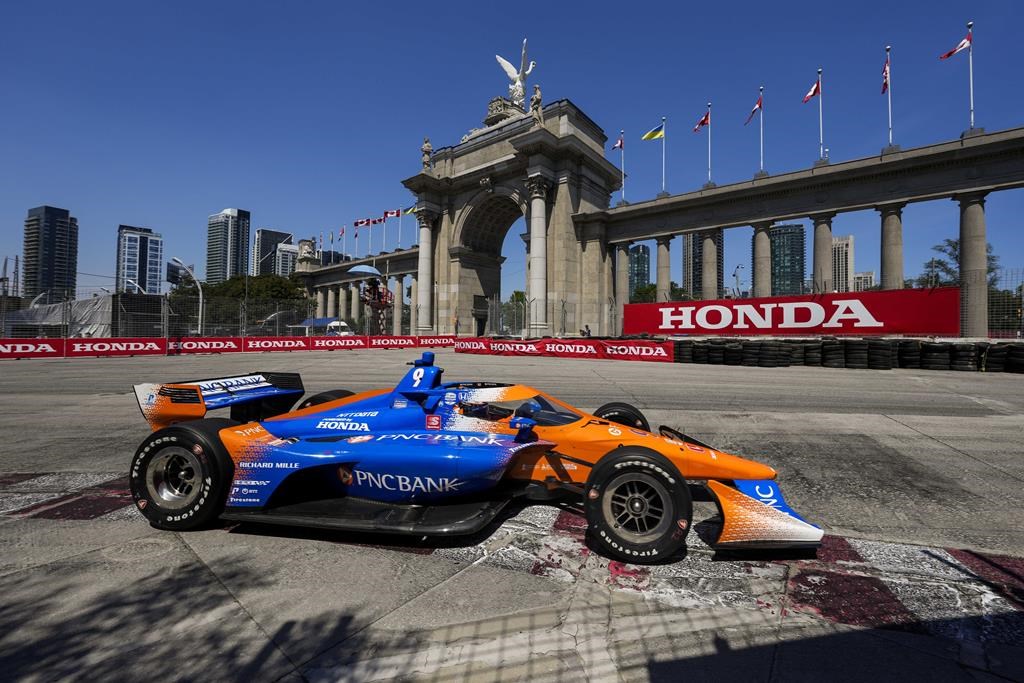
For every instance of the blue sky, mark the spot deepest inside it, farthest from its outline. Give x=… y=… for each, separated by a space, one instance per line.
x=310 y=114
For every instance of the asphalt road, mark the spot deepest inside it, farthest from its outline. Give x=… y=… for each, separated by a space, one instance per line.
x=915 y=475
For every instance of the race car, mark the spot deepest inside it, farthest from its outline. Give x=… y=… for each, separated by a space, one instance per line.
x=433 y=458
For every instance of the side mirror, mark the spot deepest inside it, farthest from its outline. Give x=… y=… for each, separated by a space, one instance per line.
x=525 y=426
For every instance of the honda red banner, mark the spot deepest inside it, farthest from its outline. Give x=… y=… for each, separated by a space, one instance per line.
x=898 y=311
x=631 y=349
x=277 y=343
x=437 y=341
x=393 y=342
x=31 y=348
x=115 y=347
x=334 y=343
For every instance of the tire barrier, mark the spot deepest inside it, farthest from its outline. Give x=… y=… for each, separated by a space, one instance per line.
x=874 y=353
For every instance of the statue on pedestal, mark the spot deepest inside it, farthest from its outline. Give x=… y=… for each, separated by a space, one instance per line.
x=536 y=106
x=427 y=150
x=517 y=89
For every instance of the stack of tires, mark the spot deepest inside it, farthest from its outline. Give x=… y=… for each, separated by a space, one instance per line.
x=796 y=352
x=733 y=353
x=684 y=351
x=751 y=353
x=880 y=354
x=962 y=357
x=909 y=355
x=812 y=353
x=935 y=355
x=856 y=353
x=769 y=357
x=700 y=352
x=833 y=355
x=716 y=352
x=1015 y=358
x=993 y=358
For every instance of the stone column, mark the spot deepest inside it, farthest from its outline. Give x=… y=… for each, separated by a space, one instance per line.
x=822 y=277
x=321 y=302
x=396 y=315
x=538 y=277
x=973 y=266
x=332 y=301
x=342 y=301
x=664 y=282
x=892 y=246
x=621 y=284
x=762 y=260
x=709 y=267
x=356 y=303
x=413 y=299
x=425 y=272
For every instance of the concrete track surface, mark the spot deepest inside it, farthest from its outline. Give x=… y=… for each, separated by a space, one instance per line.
x=915 y=475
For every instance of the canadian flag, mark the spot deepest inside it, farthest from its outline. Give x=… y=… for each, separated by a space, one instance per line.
x=885 y=76
x=813 y=92
x=704 y=121
x=619 y=144
x=375 y=221
x=393 y=214
x=961 y=46
x=757 y=105
x=361 y=222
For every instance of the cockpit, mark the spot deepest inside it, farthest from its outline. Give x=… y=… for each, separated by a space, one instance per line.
x=537 y=408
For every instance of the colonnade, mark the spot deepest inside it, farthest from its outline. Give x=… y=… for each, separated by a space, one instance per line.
x=343 y=300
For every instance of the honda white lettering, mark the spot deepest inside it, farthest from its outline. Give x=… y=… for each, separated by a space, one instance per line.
x=470 y=346
x=514 y=347
x=391 y=341
x=21 y=347
x=202 y=345
x=343 y=425
x=642 y=351
x=570 y=348
x=91 y=347
x=795 y=315
x=436 y=341
x=256 y=344
x=339 y=343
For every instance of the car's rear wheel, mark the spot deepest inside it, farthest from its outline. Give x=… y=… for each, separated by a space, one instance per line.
x=638 y=506
x=180 y=475
x=323 y=397
x=623 y=414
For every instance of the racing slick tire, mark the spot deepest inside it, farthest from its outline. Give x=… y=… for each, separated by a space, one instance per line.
x=180 y=475
x=638 y=507
x=623 y=414
x=323 y=397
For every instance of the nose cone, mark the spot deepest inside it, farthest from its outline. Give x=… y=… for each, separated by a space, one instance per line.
x=741 y=468
x=708 y=463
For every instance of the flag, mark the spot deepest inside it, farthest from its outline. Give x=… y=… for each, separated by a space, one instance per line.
x=411 y=209
x=814 y=91
x=620 y=143
x=375 y=221
x=341 y=233
x=885 y=76
x=393 y=214
x=321 y=240
x=361 y=222
x=757 y=105
x=331 y=233
x=655 y=133
x=704 y=121
x=963 y=45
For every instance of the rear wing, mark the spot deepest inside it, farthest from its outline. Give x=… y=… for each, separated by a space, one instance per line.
x=255 y=396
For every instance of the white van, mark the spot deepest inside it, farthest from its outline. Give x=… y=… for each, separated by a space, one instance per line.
x=339 y=328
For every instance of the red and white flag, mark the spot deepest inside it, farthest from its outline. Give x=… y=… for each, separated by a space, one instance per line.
x=813 y=92
x=376 y=221
x=397 y=213
x=342 y=231
x=885 y=76
x=757 y=107
x=704 y=121
x=619 y=144
x=361 y=222
x=963 y=45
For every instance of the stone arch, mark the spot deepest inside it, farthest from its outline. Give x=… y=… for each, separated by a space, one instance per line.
x=487 y=216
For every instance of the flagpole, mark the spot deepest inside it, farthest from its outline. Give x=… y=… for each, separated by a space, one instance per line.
x=709 y=143
x=344 y=239
x=760 y=120
x=664 y=134
x=622 y=163
x=821 y=127
x=970 y=65
x=401 y=211
x=888 y=87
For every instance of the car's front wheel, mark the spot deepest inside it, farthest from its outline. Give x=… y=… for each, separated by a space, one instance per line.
x=323 y=397
x=180 y=475
x=623 y=414
x=638 y=507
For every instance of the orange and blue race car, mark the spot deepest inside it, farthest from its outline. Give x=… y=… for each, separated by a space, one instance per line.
x=430 y=458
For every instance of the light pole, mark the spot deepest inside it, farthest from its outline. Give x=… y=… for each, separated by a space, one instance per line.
x=138 y=289
x=188 y=270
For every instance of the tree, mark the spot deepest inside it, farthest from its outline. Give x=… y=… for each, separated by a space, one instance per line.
x=260 y=287
x=944 y=272
x=644 y=294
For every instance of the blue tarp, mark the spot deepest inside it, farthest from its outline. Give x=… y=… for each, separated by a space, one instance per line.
x=315 y=322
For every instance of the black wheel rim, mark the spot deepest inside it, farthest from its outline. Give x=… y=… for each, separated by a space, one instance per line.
x=637 y=507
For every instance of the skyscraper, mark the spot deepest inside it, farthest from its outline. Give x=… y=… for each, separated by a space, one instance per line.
x=693 y=263
x=788 y=258
x=227 y=245
x=140 y=256
x=264 y=248
x=639 y=267
x=51 y=253
x=285 y=258
x=862 y=282
x=842 y=263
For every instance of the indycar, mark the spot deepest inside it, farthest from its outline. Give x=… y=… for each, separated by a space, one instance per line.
x=433 y=458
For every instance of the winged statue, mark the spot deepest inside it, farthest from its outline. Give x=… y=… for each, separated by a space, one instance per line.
x=517 y=89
